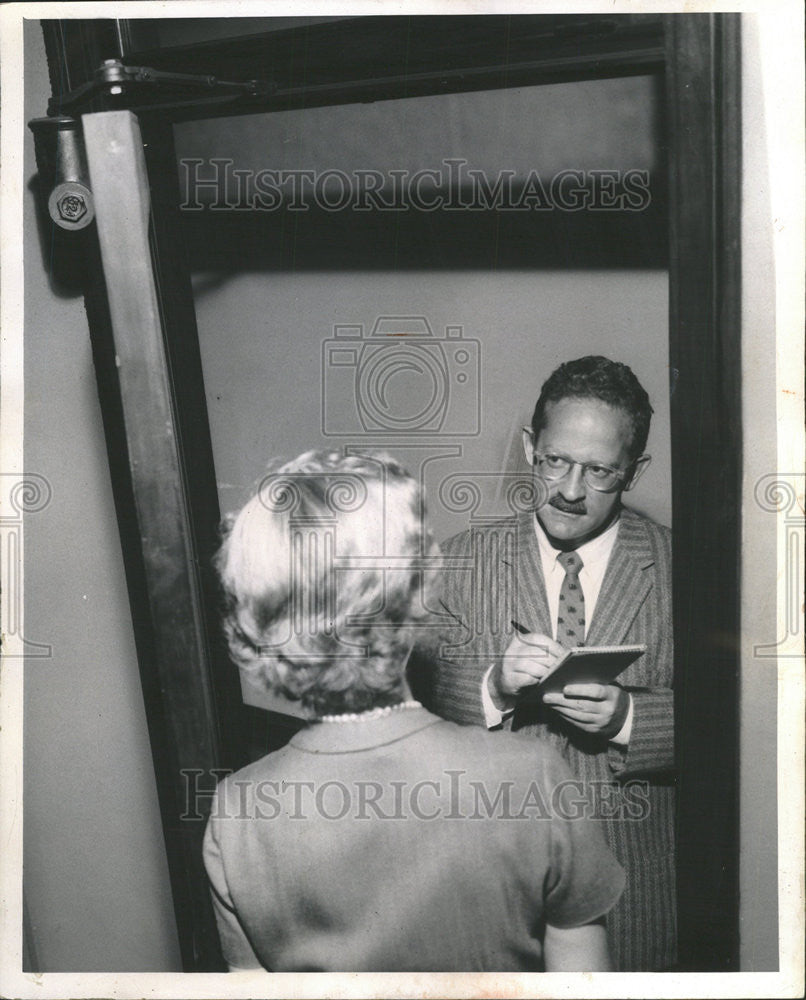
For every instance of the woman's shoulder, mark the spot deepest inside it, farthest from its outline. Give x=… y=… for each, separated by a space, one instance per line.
x=515 y=756
x=259 y=770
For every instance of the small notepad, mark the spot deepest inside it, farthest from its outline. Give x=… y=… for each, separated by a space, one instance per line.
x=586 y=665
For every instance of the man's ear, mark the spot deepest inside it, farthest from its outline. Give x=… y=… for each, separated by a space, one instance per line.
x=528 y=439
x=641 y=465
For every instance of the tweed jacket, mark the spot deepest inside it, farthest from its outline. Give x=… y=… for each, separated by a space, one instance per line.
x=493 y=576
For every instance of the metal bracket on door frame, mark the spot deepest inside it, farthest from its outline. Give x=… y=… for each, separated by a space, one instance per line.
x=139 y=88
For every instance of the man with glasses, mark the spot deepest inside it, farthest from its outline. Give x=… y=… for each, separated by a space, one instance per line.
x=581 y=570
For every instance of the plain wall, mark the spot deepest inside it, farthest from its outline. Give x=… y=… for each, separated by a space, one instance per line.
x=95 y=874
x=267 y=367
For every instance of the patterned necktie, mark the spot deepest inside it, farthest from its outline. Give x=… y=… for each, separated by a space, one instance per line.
x=571 y=614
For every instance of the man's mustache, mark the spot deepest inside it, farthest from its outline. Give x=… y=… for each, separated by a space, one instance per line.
x=568 y=506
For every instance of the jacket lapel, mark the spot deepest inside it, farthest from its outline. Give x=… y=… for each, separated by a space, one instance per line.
x=625 y=585
x=624 y=588
x=530 y=601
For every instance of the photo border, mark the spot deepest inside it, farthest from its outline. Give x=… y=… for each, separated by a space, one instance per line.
x=781 y=36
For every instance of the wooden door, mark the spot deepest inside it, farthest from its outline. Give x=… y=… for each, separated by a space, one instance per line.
x=151 y=386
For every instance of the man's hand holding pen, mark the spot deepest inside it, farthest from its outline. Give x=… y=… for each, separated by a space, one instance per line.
x=527 y=660
x=595 y=708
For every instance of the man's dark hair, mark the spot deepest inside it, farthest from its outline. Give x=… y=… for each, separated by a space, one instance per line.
x=595 y=377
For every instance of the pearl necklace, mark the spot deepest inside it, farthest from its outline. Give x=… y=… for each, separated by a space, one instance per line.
x=373 y=713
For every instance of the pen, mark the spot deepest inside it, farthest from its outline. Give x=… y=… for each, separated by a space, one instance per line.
x=518 y=627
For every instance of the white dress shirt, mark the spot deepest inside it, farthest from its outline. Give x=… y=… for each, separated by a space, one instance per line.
x=594 y=555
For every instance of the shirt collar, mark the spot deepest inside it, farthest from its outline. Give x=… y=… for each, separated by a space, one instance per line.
x=596 y=552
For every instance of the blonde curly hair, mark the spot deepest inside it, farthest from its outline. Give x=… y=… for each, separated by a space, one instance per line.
x=324 y=580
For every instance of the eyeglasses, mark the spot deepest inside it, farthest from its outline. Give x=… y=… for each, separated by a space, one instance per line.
x=599 y=477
